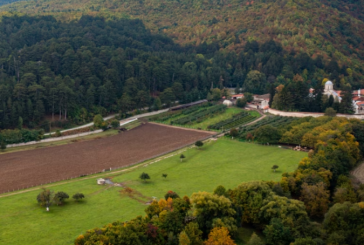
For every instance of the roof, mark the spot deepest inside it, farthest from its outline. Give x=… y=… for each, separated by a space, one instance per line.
x=266 y=107
x=358 y=90
x=356 y=98
x=360 y=103
x=328 y=83
x=262 y=96
x=238 y=95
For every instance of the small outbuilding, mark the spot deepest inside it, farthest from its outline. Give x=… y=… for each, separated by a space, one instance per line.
x=101 y=181
x=228 y=103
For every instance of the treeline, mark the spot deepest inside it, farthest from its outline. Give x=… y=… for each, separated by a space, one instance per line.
x=281 y=212
x=73 y=71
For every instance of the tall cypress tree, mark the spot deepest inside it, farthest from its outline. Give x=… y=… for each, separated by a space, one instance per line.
x=346 y=105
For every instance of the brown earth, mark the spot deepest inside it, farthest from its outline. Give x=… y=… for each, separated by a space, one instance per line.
x=24 y=169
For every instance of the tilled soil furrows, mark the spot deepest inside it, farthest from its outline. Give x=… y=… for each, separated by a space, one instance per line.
x=40 y=166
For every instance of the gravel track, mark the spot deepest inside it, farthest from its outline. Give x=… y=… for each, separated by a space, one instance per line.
x=359 y=173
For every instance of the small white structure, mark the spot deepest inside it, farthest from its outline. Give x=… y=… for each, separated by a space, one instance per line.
x=101 y=181
x=228 y=103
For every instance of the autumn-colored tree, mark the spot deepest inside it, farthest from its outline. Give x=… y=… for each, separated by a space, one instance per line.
x=194 y=233
x=316 y=199
x=184 y=239
x=212 y=211
x=219 y=236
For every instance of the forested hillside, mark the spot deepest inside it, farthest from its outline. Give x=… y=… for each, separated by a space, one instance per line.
x=332 y=28
x=74 y=70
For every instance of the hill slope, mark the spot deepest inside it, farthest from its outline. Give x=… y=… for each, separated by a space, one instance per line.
x=333 y=29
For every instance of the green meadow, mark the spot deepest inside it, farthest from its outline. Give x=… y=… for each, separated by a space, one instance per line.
x=224 y=162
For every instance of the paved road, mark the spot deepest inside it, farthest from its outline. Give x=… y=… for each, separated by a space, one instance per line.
x=122 y=122
x=112 y=116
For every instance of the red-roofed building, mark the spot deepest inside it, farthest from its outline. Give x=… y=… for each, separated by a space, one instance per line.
x=237 y=96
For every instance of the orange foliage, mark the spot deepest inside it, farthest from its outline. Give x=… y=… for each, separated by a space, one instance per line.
x=219 y=236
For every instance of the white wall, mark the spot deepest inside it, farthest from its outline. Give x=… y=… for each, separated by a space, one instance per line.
x=309 y=114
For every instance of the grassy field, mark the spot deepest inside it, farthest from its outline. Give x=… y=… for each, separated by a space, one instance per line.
x=228 y=113
x=223 y=162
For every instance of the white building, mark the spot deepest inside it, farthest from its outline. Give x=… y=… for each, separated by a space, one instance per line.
x=358 y=99
x=228 y=103
x=329 y=90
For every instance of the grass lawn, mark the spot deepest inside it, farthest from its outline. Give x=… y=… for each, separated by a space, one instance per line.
x=223 y=162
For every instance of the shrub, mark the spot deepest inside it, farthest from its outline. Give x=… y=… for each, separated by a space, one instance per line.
x=3 y=145
x=115 y=123
x=234 y=132
x=45 y=198
x=78 y=196
x=144 y=176
x=98 y=120
x=58 y=133
x=59 y=197
x=241 y=102
x=171 y=194
x=199 y=144
x=330 y=112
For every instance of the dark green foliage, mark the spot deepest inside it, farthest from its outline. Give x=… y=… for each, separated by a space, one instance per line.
x=220 y=191
x=358 y=132
x=248 y=96
x=115 y=123
x=78 y=197
x=234 y=132
x=45 y=197
x=277 y=234
x=98 y=120
x=15 y=136
x=164 y=175
x=144 y=176
x=2 y=145
x=275 y=167
x=267 y=134
x=60 y=197
x=182 y=157
x=241 y=102
x=199 y=144
x=330 y=112
x=345 y=223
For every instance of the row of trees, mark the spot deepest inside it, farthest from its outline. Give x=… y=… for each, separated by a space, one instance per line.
x=214 y=218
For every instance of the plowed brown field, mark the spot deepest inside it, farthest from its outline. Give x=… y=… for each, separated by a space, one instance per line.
x=40 y=166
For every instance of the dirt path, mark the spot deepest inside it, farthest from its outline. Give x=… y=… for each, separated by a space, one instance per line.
x=359 y=173
x=189 y=129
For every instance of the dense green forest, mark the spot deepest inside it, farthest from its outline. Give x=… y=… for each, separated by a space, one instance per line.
x=331 y=28
x=73 y=70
